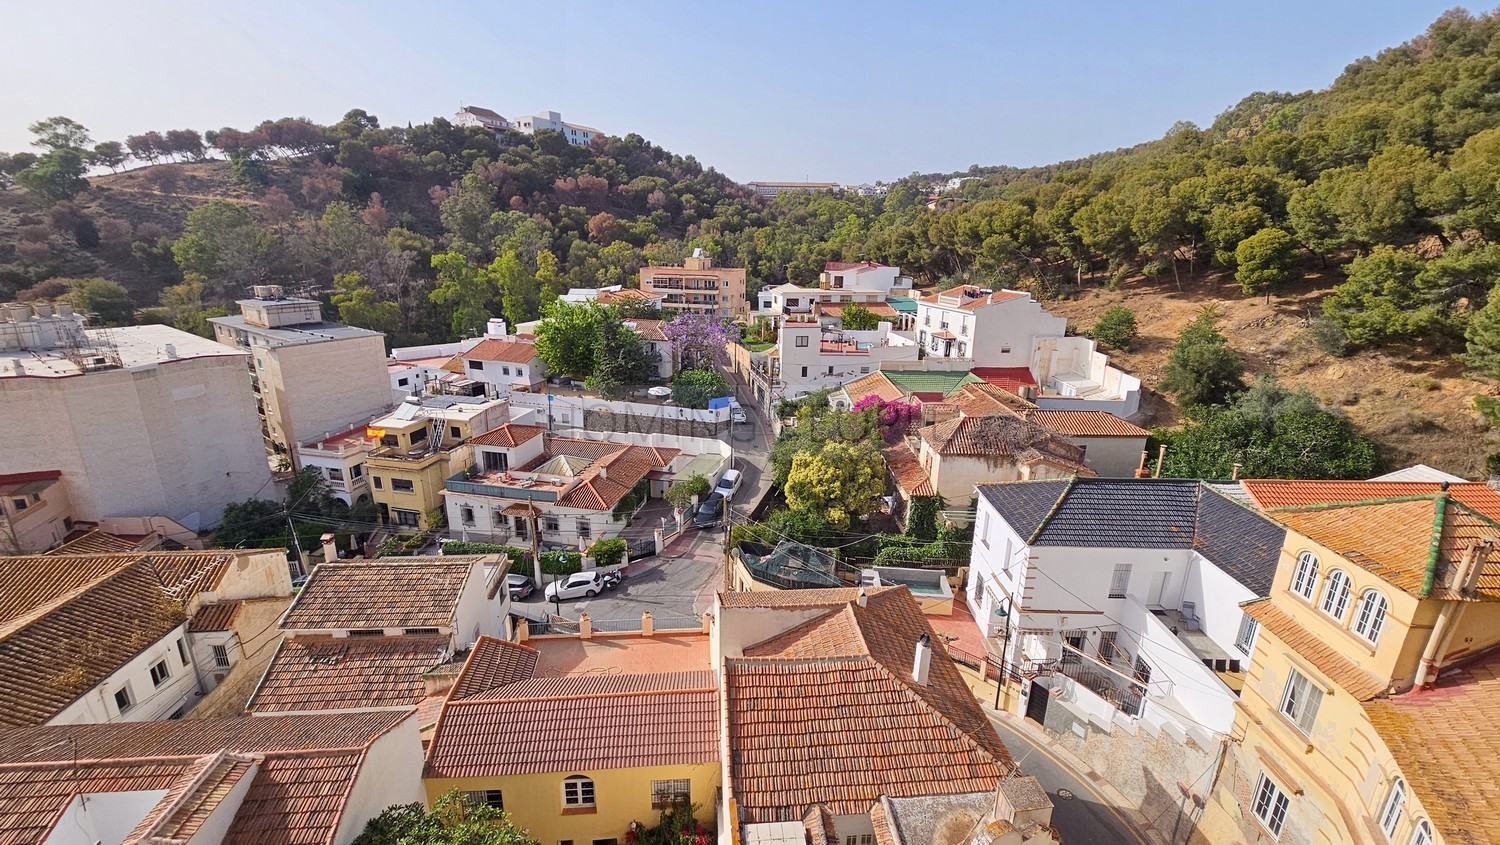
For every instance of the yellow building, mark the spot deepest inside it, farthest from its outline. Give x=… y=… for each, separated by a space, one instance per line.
x=576 y=760
x=418 y=447
x=1369 y=708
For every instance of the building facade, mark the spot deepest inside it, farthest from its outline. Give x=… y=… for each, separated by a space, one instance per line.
x=698 y=286
x=576 y=133
x=415 y=449
x=771 y=189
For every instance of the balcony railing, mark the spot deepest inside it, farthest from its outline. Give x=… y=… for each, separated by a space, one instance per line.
x=469 y=482
x=1124 y=692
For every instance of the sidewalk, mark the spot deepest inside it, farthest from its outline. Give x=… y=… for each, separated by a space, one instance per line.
x=1034 y=732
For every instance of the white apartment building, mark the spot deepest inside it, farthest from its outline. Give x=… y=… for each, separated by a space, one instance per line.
x=140 y=420
x=309 y=376
x=481 y=117
x=811 y=357
x=576 y=133
x=841 y=283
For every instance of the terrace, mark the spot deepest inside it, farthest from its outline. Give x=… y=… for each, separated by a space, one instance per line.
x=511 y=484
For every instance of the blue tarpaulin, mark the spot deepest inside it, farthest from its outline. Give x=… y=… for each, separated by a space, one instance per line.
x=721 y=402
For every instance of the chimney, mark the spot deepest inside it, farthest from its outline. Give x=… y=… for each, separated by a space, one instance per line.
x=863 y=599
x=330 y=548
x=922 y=661
x=495 y=328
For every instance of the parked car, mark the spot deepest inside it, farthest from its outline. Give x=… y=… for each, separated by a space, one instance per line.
x=738 y=415
x=710 y=513
x=519 y=586
x=729 y=483
x=577 y=586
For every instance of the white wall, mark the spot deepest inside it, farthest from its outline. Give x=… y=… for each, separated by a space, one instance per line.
x=738 y=628
x=477 y=611
x=391 y=774
x=1216 y=598
x=1189 y=692
x=1111 y=457
x=568 y=410
x=152 y=703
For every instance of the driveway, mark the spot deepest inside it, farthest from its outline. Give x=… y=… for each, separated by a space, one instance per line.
x=679 y=582
x=1085 y=818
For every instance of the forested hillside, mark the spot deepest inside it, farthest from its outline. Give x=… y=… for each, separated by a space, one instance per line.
x=1346 y=230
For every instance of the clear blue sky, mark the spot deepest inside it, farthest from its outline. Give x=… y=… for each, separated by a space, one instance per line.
x=846 y=92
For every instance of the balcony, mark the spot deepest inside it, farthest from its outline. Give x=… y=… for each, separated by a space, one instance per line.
x=506 y=485
x=1123 y=689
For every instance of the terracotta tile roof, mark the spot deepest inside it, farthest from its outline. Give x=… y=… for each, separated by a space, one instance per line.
x=509 y=351
x=910 y=477
x=380 y=594
x=648 y=329
x=1001 y=436
x=320 y=673
x=840 y=266
x=822 y=597
x=552 y=731
x=493 y=663
x=624 y=295
x=509 y=435
x=971 y=299
x=874 y=384
x=827 y=714
x=616 y=684
x=10 y=478
x=32 y=798
x=1413 y=543
x=96 y=542
x=1445 y=742
x=1085 y=423
x=1013 y=379
x=214 y=617
x=836 y=309
x=1281 y=493
x=1315 y=649
x=623 y=467
x=986 y=400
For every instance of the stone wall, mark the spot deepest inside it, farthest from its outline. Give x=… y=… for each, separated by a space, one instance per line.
x=636 y=424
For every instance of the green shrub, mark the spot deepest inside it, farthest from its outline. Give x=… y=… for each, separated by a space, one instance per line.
x=1116 y=328
x=632 y=500
x=561 y=563
x=608 y=552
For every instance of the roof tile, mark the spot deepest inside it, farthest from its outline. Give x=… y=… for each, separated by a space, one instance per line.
x=318 y=673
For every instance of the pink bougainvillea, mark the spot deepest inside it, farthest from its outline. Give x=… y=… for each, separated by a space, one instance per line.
x=894 y=418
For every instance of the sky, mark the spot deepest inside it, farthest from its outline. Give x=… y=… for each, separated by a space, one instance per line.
x=845 y=92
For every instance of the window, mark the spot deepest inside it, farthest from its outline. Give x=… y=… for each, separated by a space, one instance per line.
x=802 y=341
x=419 y=436
x=335 y=474
x=454 y=433
x=505 y=371
x=496 y=461
x=830 y=369
x=221 y=656
x=1369 y=615
x=411 y=519
x=122 y=700
x=520 y=371
x=379 y=485
x=1336 y=594
x=1394 y=806
x=804 y=372
x=864 y=369
x=549 y=523
x=20 y=504
x=402 y=485
x=390 y=440
x=1245 y=639
x=666 y=794
x=1005 y=350
x=357 y=471
x=585 y=528
x=962 y=347
x=476 y=365
x=160 y=673
x=1270 y=805
x=367 y=632
x=1120 y=581
x=1300 y=701
x=521 y=528
x=466 y=514
x=1422 y=835
x=182 y=652
x=485 y=798
x=403 y=382
x=1108 y=650
x=578 y=791
x=419 y=632
x=1305 y=576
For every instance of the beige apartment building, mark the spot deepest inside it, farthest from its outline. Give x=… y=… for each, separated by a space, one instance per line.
x=698 y=286
x=139 y=421
x=310 y=377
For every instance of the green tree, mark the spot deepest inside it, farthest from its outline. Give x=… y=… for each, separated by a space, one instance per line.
x=60 y=133
x=682 y=494
x=467 y=291
x=621 y=359
x=454 y=820
x=55 y=176
x=1115 y=328
x=1382 y=300
x=109 y=154
x=842 y=481
x=183 y=306
x=360 y=305
x=694 y=388
x=225 y=245
x=106 y=302
x=857 y=317
x=1202 y=370
x=520 y=292
x=568 y=336
x=1483 y=335
x=1265 y=261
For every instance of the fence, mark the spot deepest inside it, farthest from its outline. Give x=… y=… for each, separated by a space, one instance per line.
x=676 y=623
x=537 y=629
x=1121 y=691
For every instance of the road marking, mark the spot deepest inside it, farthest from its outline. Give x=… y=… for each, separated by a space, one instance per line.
x=1126 y=823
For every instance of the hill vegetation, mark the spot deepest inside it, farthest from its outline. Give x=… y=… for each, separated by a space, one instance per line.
x=1348 y=230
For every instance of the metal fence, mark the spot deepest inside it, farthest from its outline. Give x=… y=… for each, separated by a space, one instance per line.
x=1124 y=692
x=537 y=629
x=676 y=623
x=615 y=626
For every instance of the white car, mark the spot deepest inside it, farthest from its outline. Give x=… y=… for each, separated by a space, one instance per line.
x=738 y=415
x=729 y=483
x=576 y=586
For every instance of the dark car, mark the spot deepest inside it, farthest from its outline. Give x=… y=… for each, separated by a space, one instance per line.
x=519 y=586
x=710 y=513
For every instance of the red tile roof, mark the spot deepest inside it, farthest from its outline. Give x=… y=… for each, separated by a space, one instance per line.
x=648 y=329
x=1001 y=436
x=493 y=663
x=874 y=384
x=610 y=297
x=509 y=435
x=383 y=593
x=987 y=400
x=1085 y=423
x=839 y=266
x=551 y=728
x=214 y=617
x=971 y=299
x=1013 y=379
x=318 y=673
x=1315 y=649
x=827 y=713
x=96 y=542
x=1281 y=493
x=910 y=477
x=510 y=351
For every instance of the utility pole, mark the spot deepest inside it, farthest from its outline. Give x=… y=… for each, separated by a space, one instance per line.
x=297 y=544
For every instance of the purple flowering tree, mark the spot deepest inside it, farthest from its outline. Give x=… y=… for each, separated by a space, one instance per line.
x=700 y=340
x=894 y=419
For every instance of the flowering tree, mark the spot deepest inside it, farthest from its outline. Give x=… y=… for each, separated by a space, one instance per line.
x=700 y=340
x=894 y=419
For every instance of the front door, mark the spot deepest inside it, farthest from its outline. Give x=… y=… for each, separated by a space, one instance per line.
x=1036 y=703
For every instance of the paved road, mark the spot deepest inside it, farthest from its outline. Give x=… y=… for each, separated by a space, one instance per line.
x=680 y=582
x=1084 y=819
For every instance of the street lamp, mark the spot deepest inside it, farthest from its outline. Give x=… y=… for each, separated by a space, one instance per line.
x=1003 y=612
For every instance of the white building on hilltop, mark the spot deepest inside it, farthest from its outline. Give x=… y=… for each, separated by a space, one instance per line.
x=140 y=420
x=576 y=133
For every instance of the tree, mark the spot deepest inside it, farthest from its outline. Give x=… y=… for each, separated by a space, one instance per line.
x=700 y=340
x=109 y=154
x=106 y=302
x=183 y=305
x=223 y=243
x=1115 y=328
x=1265 y=261
x=56 y=176
x=856 y=317
x=467 y=290
x=682 y=494
x=694 y=388
x=360 y=305
x=1202 y=370
x=894 y=419
x=621 y=359
x=1382 y=299
x=60 y=133
x=454 y=820
x=567 y=337
x=843 y=481
x=1483 y=336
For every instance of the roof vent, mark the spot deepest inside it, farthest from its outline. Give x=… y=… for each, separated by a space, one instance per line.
x=922 y=660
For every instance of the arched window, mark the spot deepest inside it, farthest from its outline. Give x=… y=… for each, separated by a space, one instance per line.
x=1394 y=806
x=1422 y=834
x=1336 y=594
x=578 y=791
x=1305 y=575
x=1369 y=615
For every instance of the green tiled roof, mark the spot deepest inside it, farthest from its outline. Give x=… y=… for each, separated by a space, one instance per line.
x=928 y=382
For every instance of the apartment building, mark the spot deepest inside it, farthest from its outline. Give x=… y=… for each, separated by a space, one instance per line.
x=812 y=357
x=308 y=375
x=35 y=512
x=414 y=449
x=139 y=421
x=1368 y=710
x=698 y=286
x=576 y=133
